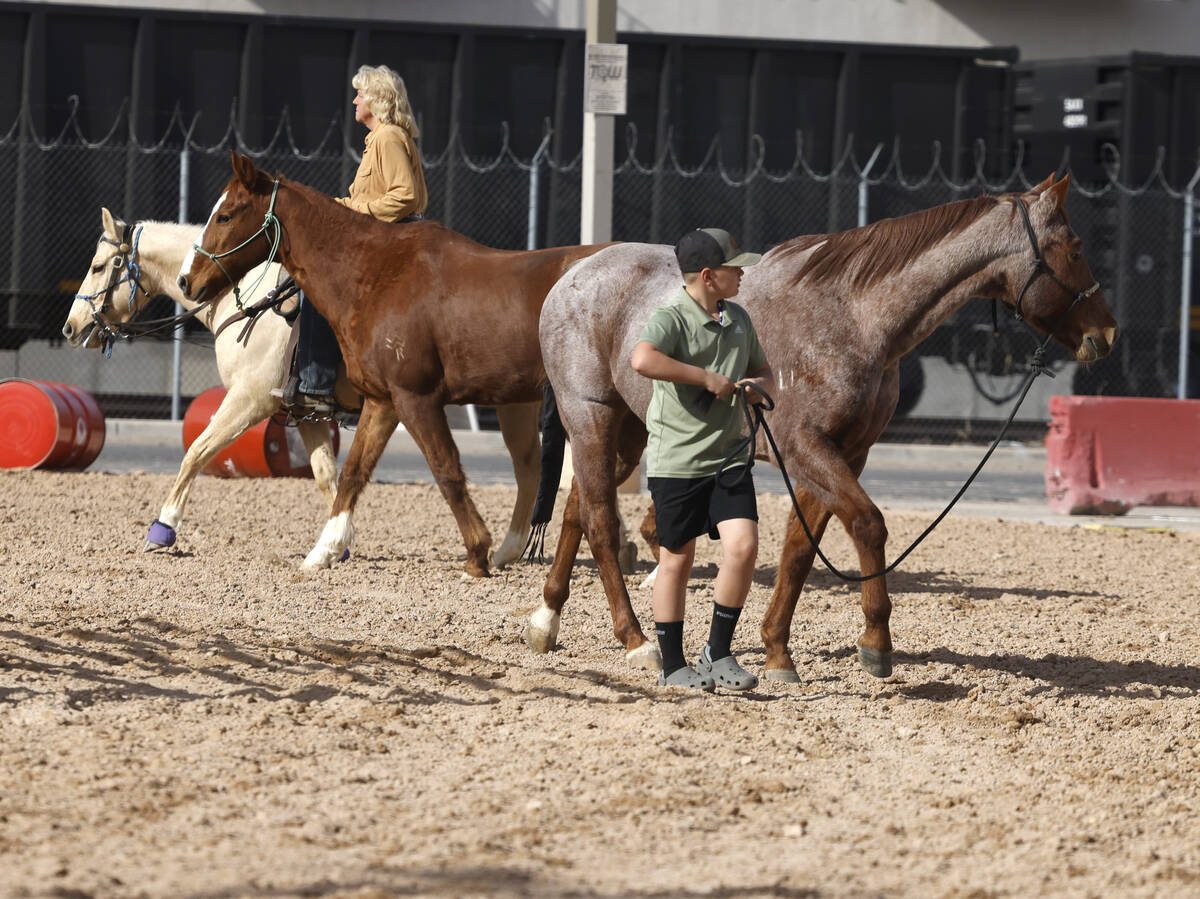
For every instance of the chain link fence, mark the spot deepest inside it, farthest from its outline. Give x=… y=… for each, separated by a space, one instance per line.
x=957 y=386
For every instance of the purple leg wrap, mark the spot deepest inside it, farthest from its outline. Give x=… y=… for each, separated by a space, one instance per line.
x=160 y=534
x=345 y=555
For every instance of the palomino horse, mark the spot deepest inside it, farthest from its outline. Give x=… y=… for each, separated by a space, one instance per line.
x=835 y=313
x=425 y=317
x=142 y=260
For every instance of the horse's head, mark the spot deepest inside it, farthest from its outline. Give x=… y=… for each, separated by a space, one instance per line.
x=109 y=292
x=1050 y=283
x=241 y=232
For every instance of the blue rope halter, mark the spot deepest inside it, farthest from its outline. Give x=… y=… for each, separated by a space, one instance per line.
x=125 y=270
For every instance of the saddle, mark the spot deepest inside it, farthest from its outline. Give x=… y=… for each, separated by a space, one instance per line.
x=346 y=398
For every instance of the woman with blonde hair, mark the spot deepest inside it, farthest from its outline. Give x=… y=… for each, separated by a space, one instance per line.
x=390 y=186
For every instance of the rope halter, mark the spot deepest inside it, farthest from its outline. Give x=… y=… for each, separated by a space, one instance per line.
x=124 y=269
x=270 y=229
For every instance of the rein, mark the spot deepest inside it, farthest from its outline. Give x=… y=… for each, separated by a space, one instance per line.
x=1036 y=367
x=126 y=269
x=270 y=221
x=273 y=299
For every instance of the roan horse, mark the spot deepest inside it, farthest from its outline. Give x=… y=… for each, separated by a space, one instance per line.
x=425 y=317
x=143 y=259
x=835 y=313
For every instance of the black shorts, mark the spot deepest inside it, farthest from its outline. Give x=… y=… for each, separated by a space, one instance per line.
x=685 y=508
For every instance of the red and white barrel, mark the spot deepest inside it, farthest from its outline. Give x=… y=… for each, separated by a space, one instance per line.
x=44 y=424
x=267 y=450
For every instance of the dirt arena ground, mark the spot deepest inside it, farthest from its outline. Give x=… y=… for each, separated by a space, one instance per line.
x=213 y=722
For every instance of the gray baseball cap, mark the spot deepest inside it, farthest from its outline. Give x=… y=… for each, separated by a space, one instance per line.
x=710 y=248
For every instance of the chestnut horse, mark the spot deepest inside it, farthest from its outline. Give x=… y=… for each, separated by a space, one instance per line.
x=425 y=318
x=834 y=313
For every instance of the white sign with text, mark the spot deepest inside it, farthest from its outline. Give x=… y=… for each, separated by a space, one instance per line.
x=605 y=69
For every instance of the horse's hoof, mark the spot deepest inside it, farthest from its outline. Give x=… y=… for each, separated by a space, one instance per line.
x=648 y=583
x=627 y=557
x=645 y=656
x=475 y=569
x=510 y=550
x=336 y=539
x=781 y=675
x=345 y=556
x=542 y=631
x=875 y=662
x=318 y=558
x=160 y=536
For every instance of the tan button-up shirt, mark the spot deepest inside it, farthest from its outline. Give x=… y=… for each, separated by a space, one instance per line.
x=389 y=184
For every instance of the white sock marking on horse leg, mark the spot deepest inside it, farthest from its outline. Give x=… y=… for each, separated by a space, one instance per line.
x=648 y=583
x=543 y=629
x=510 y=550
x=645 y=656
x=336 y=537
x=170 y=516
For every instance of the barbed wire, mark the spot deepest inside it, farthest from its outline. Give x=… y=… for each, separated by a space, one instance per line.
x=665 y=158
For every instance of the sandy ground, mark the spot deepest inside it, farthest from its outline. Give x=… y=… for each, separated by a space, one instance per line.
x=213 y=722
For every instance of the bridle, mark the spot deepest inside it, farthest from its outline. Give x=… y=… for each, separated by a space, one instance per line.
x=123 y=269
x=270 y=222
x=1041 y=268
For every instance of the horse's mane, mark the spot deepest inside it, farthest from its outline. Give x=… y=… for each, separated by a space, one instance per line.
x=872 y=253
x=359 y=221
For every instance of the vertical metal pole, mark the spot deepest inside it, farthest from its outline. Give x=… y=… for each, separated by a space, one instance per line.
x=595 y=225
x=1185 y=287
x=535 y=177
x=177 y=356
x=862 y=186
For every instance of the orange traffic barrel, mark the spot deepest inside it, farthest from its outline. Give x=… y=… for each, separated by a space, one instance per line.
x=44 y=424
x=267 y=450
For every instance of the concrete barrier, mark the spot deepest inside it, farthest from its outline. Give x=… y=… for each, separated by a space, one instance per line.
x=1105 y=455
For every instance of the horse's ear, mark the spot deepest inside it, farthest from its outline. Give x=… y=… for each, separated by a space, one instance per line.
x=1059 y=191
x=244 y=169
x=1053 y=198
x=1040 y=188
x=111 y=226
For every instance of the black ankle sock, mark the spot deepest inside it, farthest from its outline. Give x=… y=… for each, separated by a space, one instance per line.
x=720 y=632
x=670 y=644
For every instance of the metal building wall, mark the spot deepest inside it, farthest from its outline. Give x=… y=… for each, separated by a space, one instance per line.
x=124 y=76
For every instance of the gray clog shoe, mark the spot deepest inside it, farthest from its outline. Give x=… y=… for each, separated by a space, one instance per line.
x=687 y=676
x=726 y=672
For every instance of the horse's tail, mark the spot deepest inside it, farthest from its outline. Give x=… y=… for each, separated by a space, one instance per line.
x=554 y=441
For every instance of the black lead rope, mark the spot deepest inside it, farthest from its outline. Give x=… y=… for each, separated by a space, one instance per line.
x=758 y=420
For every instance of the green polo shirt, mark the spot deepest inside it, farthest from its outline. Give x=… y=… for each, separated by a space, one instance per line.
x=686 y=441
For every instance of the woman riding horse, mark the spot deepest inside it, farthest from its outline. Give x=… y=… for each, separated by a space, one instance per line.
x=426 y=318
x=390 y=186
